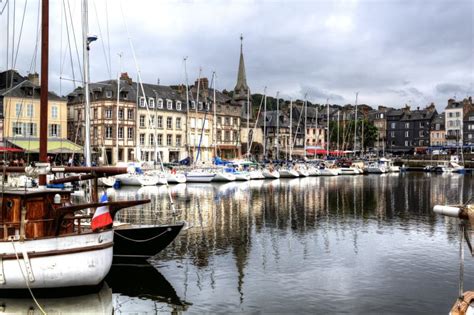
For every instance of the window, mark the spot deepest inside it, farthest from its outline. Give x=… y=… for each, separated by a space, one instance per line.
x=130 y=133
x=159 y=139
x=142 y=139
x=407 y=125
x=451 y=123
x=151 y=102
x=407 y=134
x=152 y=120
x=169 y=123
x=381 y=115
x=193 y=104
x=458 y=114
x=17 y=129
x=219 y=136
x=470 y=127
x=421 y=133
x=450 y=115
x=200 y=105
x=152 y=139
x=421 y=124
x=142 y=102
x=169 y=104
x=469 y=135
x=227 y=135
x=120 y=133
x=142 y=121
x=130 y=114
x=31 y=129
x=392 y=125
x=54 y=130
x=178 y=105
x=159 y=122
x=95 y=134
x=108 y=94
x=471 y=118
x=18 y=110
x=227 y=121
x=120 y=113
x=178 y=140
x=407 y=143
x=95 y=113
x=108 y=113
x=392 y=134
x=54 y=112
x=207 y=106
x=169 y=140
x=29 y=110
x=236 y=138
x=178 y=123
x=108 y=132
x=160 y=103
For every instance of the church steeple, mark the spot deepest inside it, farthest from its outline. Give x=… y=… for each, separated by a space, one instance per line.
x=241 y=87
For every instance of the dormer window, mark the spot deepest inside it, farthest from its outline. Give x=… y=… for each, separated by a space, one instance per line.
x=193 y=104
x=142 y=102
x=200 y=105
x=169 y=104
x=207 y=106
x=108 y=94
x=178 y=105
x=160 y=103
x=151 y=102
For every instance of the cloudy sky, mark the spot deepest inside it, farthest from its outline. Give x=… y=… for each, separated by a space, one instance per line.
x=393 y=52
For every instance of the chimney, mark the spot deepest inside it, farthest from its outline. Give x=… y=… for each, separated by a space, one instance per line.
x=431 y=107
x=406 y=109
x=204 y=84
x=124 y=76
x=451 y=101
x=34 y=78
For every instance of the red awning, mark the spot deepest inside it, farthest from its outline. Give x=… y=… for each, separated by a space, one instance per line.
x=323 y=152
x=5 y=149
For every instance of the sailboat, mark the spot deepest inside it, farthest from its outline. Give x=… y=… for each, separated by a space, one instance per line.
x=45 y=243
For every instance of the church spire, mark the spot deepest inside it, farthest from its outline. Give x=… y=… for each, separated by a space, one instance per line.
x=241 y=77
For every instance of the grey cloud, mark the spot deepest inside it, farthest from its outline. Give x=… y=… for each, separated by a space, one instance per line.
x=451 y=89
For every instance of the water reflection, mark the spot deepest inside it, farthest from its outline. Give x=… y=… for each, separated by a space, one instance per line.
x=318 y=244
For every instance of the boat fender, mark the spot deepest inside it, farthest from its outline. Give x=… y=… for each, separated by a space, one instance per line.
x=447 y=211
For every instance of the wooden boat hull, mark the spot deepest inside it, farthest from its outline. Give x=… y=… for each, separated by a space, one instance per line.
x=52 y=259
x=143 y=242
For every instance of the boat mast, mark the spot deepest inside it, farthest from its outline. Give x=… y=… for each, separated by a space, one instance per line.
x=355 y=125
x=117 y=113
x=87 y=111
x=196 y=117
x=265 y=124
x=305 y=123
x=327 y=130
x=278 y=127
x=338 y=113
x=43 y=149
x=248 y=124
x=215 y=118
x=291 y=128
x=188 y=123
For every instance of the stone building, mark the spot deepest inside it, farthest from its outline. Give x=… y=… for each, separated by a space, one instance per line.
x=468 y=128
x=454 y=114
x=20 y=115
x=438 y=131
x=161 y=123
x=379 y=119
x=113 y=124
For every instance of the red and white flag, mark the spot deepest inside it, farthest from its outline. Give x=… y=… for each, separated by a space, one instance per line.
x=102 y=215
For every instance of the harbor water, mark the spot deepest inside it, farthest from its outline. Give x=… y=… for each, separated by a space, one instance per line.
x=344 y=244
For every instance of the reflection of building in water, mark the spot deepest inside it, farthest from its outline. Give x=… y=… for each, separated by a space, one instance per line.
x=249 y=220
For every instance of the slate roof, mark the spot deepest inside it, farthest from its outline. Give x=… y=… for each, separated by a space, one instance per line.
x=26 y=89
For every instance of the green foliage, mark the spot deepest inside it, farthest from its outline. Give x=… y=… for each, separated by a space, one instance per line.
x=346 y=134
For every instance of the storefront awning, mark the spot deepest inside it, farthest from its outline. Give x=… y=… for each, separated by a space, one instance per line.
x=55 y=146
x=5 y=149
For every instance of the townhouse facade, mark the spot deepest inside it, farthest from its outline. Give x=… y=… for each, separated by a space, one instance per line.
x=438 y=131
x=454 y=116
x=113 y=115
x=20 y=115
x=468 y=131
